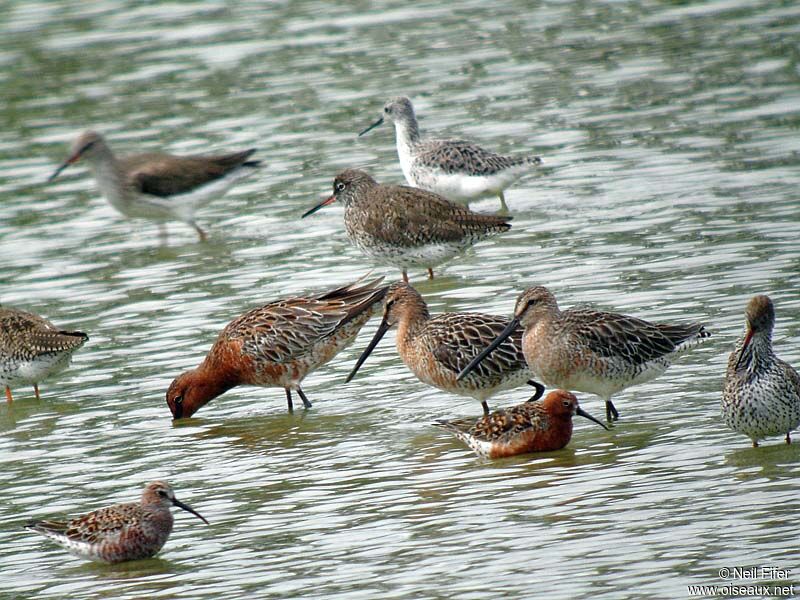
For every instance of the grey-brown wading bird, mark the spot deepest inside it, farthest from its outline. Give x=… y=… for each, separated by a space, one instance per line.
x=761 y=396
x=404 y=226
x=32 y=349
x=592 y=351
x=456 y=169
x=159 y=187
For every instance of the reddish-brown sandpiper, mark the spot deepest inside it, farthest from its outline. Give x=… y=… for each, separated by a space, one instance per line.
x=538 y=426
x=129 y=531
x=277 y=345
x=437 y=348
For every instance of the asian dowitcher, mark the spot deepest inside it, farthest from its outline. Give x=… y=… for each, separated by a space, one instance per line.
x=538 y=426
x=437 y=348
x=33 y=349
x=761 y=396
x=121 y=532
x=591 y=351
x=277 y=345
x=159 y=187
x=457 y=169
x=404 y=226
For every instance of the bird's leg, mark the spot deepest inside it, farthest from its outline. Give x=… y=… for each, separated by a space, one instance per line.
x=306 y=403
x=539 y=390
x=405 y=276
x=289 y=399
x=430 y=273
x=503 y=205
x=485 y=408
x=755 y=443
x=9 y=398
x=788 y=438
x=200 y=232
x=611 y=411
x=36 y=391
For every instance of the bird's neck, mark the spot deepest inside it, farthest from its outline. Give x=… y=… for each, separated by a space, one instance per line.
x=407 y=131
x=415 y=317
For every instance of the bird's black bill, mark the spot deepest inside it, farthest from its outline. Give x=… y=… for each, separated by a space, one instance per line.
x=371 y=127
x=188 y=508
x=314 y=209
x=61 y=167
x=379 y=333
x=500 y=339
x=585 y=415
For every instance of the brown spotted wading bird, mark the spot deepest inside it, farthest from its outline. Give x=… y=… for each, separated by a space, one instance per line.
x=130 y=531
x=404 y=226
x=277 y=345
x=456 y=169
x=437 y=348
x=32 y=349
x=159 y=187
x=761 y=396
x=591 y=351
x=538 y=426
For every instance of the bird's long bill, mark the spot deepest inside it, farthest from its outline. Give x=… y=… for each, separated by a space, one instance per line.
x=325 y=202
x=748 y=336
x=585 y=415
x=500 y=339
x=371 y=127
x=72 y=159
x=379 y=333
x=188 y=508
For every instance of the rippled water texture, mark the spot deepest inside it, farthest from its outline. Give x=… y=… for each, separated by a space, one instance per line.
x=669 y=132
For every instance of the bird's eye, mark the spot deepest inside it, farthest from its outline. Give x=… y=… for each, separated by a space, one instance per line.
x=565 y=403
x=386 y=109
x=390 y=304
x=178 y=400
x=162 y=493
x=339 y=186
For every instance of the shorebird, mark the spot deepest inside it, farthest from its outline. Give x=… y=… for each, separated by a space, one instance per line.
x=591 y=351
x=159 y=187
x=761 y=396
x=457 y=169
x=277 y=345
x=33 y=349
x=404 y=226
x=538 y=426
x=437 y=348
x=121 y=532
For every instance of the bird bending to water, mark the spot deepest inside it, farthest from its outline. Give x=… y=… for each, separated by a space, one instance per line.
x=277 y=345
x=591 y=351
x=437 y=348
x=32 y=349
x=159 y=187
x=761 y=396
x=538 y=426
x=121 y=532
x=457 y=169
x=404 y=226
